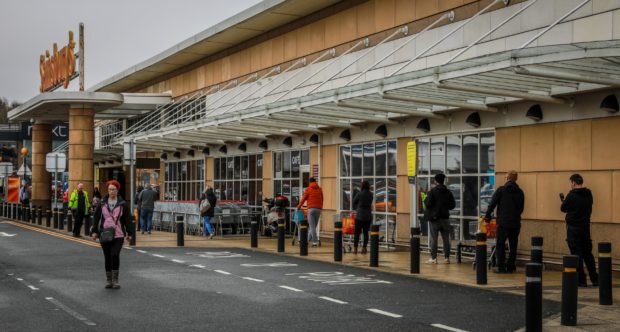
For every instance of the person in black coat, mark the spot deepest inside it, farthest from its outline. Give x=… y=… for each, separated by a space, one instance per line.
x=439 y=202
x=578 y=208
x=509 y=200
x=208 y=195
x=362 y=204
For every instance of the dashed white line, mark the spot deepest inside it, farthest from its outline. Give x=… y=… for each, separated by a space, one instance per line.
x=20 y=279
x=70 y=311
x=128 y=248
x=141 y=251
x=290 y=288
x=253 y=279
x=160 y=256
x=448 y=328
x=198 y=266
x=332 y=300
x=32 y=287
x=385 y=313
x=178 y=261
x=222 y=272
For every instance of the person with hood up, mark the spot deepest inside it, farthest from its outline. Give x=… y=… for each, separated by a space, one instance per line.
x=112 y=212
x=439 y=202
x=362 y=204
x=510 y=201
x=578 y=208
x=314 y=195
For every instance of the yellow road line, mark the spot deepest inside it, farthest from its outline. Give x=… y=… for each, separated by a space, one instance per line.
x=62 y=236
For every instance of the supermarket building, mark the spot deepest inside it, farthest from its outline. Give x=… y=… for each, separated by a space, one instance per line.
x=291 y=89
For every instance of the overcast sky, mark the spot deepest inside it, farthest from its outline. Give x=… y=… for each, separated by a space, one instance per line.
x=118 y=34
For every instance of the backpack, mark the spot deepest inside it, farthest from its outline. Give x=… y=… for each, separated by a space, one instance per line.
x=204 y=206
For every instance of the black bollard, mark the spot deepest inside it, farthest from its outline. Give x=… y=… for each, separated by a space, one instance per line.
x=605 y=294
x=39 y=216
x=22 y=212
x=481 y=258
x=374 y=245
x=533 y=297
x=48 y=218
x=180 y=231
x=70 y=221
x=415 y=250
x=2 y=209
x=570 y=282
x=15 y=212
x=132 y=242
x=87 y=224
x=61 y=220
x=33 y=214
x=536 y=255
x=55 y=218
x=303 y=238
x=337 y=241
x=281 y=231
x=254 y=234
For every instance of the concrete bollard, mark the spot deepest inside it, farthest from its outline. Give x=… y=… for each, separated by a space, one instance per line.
x=374 y=245
x=254 y=234
x=303 y=238
x=481 y=258
x=570 y=282
x=281 y=231
x=533 y=297
x=605 y=290
x=180 y=231
x=415 y=250
x=338 y=241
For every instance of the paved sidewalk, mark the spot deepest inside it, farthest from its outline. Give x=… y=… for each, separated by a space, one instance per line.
x=591 y=316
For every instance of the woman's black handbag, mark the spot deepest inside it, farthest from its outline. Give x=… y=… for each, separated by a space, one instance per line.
x=107 y=235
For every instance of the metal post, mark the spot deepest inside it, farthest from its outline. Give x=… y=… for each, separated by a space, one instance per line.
x=537 y=250
x=415 y=249
x=281 y=231
x=180 y=231
x=605 y=293
x=132 y=242
x=254 y=234
x=533 y=297
x=481 y=258
x=374 y=246
x=338 y=241
x=132 y=189
x=303 y=238
x=33 y=214
x=570 y=281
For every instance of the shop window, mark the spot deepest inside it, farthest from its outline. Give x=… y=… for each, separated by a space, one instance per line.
x=183 y=180
x=288 y=182
x=239 y=179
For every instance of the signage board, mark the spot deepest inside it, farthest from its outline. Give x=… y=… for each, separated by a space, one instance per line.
x=412 y=157
x=55 y=162
x=58 y=67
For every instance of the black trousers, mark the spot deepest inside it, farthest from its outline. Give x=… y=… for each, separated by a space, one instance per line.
x=512 y=235
x=112 y=253
x=77 y=223
x=361 y=226
x=580 y=244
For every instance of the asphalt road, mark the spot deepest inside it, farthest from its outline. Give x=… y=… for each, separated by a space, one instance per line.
x=51 y=283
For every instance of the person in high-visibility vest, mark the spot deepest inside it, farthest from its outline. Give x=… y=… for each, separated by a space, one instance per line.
x=79 y=205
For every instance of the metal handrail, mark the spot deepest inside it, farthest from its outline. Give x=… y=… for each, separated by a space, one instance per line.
x=554 y=24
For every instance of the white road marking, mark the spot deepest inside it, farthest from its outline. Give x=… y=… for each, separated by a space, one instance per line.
x=160 y=256
x=216 y=254
x=198 y=266
x=178 y=261
x=32 y=287
x=141 y=251
x=276 y=264
x=70 y=311
x=385 y=313
x=128 y=248
x=448 y=328
x=20 y=279
x=222 y=272
x=6 y=234
x=290 y=288
x=332 y=300
x=253 y=279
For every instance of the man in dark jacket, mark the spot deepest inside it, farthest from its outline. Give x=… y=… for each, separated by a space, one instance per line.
x=578 y=209
x=146 y=203
x=510 y=201
x=439 y=202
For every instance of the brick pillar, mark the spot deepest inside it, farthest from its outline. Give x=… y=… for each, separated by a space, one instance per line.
x=41 y=179
x=81 y=147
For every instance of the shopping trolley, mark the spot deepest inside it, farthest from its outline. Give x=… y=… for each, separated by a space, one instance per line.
x=298 y=216
x=490 y=229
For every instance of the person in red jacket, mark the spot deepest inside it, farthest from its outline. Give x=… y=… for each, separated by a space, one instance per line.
x=314 y=196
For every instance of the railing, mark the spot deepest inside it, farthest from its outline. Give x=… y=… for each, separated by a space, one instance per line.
x=108 y=132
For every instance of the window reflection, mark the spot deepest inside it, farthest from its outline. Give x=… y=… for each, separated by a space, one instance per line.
x=369 y=159
x=380 y=158
x=453 y=154
x=424 y=156
x=356 y=160
x=470 y=154
x=438 y=155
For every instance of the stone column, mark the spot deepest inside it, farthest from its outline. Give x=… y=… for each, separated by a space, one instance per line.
x=81 y=147
x=41 y=179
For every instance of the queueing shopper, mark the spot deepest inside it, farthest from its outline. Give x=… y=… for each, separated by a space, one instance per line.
x=112 y=214
x=80 y=206
x=362 y=204
x=314 y=195
x=146 y=202
x=578 y=208
x=439 y=202
x=207 y=211
x=510 y=201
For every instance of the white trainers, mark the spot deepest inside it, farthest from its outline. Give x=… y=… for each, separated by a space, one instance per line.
x=446 y=260
x=431 y=261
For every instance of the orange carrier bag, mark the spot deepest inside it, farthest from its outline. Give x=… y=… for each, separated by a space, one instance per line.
x=348 y=224
x=490 y=228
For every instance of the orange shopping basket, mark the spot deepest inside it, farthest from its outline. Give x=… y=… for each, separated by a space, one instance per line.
x=348 y=224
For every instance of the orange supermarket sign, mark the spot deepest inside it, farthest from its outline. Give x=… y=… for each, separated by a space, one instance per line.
x=58 y=67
